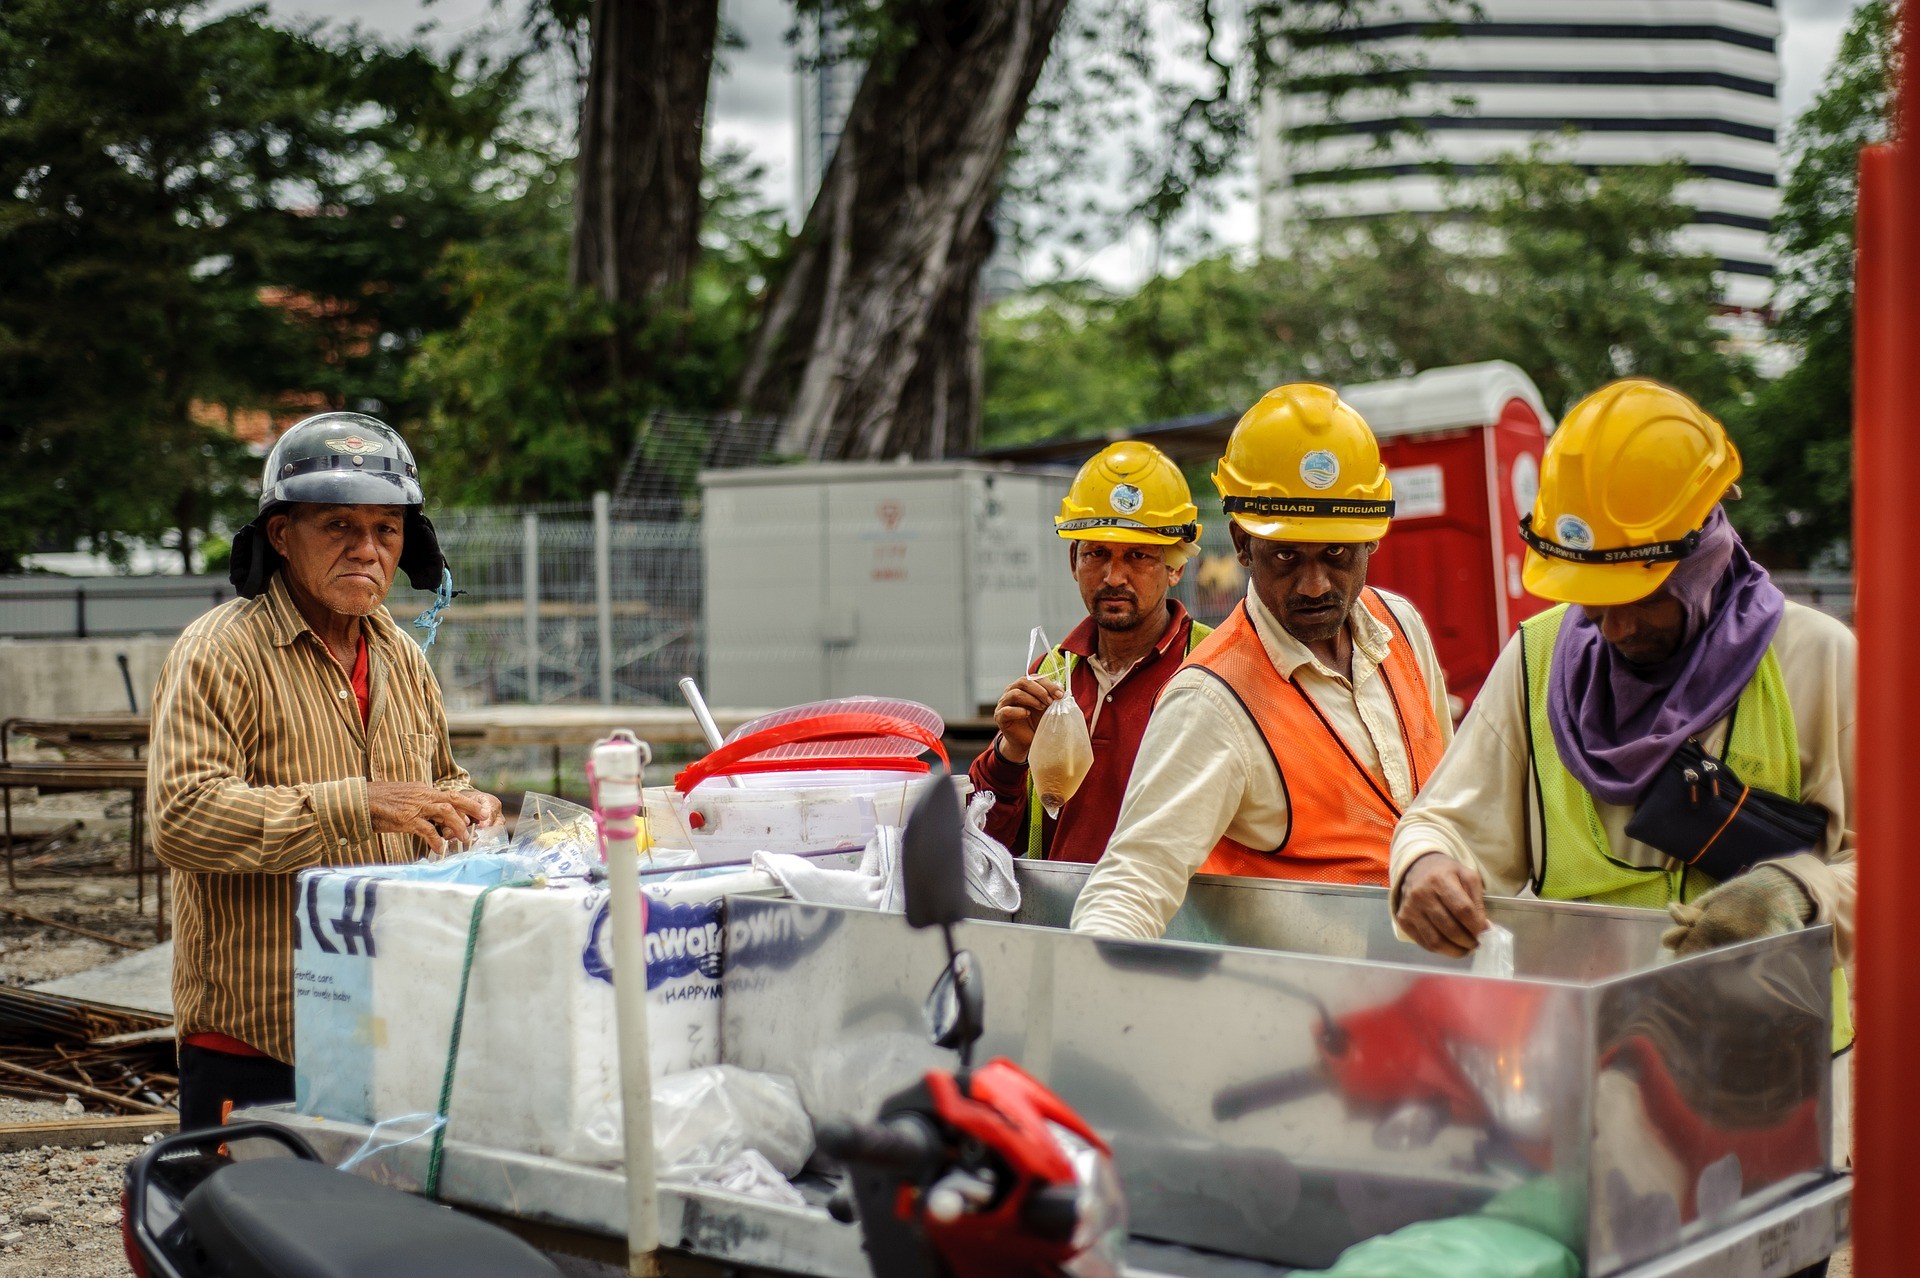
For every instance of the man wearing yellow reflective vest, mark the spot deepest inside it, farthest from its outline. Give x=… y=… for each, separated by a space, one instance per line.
x=1675 y=735
x=1297 y=733
x=1130 y=526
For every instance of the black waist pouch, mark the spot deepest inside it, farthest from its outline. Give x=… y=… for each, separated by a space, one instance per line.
x=1698 y=811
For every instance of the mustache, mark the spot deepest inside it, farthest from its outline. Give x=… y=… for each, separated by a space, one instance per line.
x=1116 y=592
x=1298 y=603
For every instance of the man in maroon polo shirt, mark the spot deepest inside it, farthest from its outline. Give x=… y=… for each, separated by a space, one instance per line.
x=1129 y=524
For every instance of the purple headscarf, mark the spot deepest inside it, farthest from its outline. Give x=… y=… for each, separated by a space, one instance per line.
x=1617 y=724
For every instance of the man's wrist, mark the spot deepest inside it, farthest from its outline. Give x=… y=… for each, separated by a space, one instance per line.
x=994 y=771
x=1399 y=885
x=1000 y=754
x=1808 y=908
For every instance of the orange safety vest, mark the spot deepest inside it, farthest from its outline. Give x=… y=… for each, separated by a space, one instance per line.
x=1340 y=816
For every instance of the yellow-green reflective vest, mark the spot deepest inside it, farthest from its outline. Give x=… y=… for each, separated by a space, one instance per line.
x=1576 y=863
x=1058 y=666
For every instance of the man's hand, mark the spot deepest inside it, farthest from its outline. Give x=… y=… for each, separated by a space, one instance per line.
x=1018 y=712
x=1442 y=905
x=444 y=818
x=1762 y=902
x=490 y=804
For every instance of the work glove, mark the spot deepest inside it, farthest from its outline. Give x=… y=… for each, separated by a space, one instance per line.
x=1764 y=901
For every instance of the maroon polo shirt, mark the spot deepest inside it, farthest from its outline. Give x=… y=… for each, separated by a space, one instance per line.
x=1087 y=822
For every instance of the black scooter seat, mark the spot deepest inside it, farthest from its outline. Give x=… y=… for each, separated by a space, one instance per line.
x=289 y=1218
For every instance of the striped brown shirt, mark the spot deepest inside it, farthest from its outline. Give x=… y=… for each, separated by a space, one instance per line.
x=259 y=770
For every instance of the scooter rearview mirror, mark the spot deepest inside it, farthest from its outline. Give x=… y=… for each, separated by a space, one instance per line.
x=932 y=867
x=956 y=1013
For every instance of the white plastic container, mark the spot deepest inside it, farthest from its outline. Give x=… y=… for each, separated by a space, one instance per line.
x=814 y=778
x=815 y=811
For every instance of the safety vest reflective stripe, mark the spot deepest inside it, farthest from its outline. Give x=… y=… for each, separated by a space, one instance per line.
x=1062 y=661
x=1575 y=861
x=1340 y=817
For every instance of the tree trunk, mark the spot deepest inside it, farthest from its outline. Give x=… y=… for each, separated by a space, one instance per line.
x=636 y=205
x=870 y=346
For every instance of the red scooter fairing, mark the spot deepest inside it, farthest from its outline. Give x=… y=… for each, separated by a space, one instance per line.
x=983 y=1174
x=1034 y=1225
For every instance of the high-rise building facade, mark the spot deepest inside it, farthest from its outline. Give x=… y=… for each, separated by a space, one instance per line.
x=825 y=89
x=1637 y=81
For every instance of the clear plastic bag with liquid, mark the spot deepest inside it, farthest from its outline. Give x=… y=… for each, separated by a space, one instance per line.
x=1062 y=752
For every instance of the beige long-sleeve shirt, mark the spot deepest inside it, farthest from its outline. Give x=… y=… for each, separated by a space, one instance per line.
x=259 y=770
x=1205 y=770
x=1476 y=808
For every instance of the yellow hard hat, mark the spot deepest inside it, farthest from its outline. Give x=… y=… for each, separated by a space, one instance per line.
x=1302 y=465
x=1129 y=492
x=1628 y=479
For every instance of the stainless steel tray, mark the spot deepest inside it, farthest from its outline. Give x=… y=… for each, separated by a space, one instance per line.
x=741 y=1231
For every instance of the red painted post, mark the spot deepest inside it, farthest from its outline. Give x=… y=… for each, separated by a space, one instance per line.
x=1886 y=550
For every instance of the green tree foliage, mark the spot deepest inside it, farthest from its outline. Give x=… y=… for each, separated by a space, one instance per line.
x=519 y=390
x=1576 y=278
x=1796 y=432
x=206 y=212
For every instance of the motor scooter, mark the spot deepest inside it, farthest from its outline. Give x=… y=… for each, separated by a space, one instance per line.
x=978 y=1171
x=254 y=1201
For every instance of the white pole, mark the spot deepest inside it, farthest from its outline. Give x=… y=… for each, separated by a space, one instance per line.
x=603 y=591
x=530 y=592
x=617 y=762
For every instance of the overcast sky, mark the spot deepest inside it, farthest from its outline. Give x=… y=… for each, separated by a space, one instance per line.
x=754 y=92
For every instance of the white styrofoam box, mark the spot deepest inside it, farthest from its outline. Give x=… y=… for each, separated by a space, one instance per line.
x=377 y=973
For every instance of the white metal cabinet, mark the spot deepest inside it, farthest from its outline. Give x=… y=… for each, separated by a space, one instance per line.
x=915 y=580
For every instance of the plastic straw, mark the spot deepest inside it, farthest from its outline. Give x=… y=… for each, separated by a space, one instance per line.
x=1038 y=647
x=704 y=717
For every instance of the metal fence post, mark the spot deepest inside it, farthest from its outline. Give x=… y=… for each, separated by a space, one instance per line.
x=530 y=592
x=603 y=590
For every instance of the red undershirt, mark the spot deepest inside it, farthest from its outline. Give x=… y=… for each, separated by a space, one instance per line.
x=362 y=682
x=362 y=685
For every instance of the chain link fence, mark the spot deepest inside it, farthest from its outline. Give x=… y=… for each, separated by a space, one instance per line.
x=566 y=603
x=594 y=601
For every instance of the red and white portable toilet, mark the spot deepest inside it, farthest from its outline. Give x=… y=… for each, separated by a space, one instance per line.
x=1463 y=447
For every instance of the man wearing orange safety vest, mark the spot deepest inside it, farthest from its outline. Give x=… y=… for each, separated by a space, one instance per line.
x=1130 y=526
x=1300 y=730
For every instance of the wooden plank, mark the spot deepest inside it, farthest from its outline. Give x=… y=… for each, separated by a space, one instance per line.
x=82 y=1133
x=583 y=725
x=77 y=774
x=164 y=1033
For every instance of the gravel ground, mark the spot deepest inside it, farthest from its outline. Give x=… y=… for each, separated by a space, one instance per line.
x=60 y=1208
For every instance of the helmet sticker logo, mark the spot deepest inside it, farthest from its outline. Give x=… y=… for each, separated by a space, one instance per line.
x=353 y=444
x=1126 y=499
x=1572 y=532
x=1319 y=469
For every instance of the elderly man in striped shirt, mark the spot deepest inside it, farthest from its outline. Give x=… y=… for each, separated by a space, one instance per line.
x=296 y=726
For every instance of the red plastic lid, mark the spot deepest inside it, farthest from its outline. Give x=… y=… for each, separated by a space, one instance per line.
x=850 y=733
x=876 y=750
